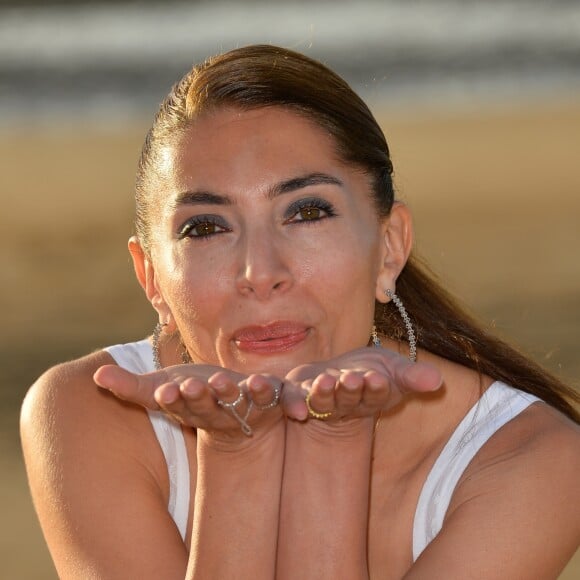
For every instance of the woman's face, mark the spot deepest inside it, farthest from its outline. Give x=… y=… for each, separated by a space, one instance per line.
x=268 y=248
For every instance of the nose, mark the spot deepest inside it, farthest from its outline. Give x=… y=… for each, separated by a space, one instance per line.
x=264 y=269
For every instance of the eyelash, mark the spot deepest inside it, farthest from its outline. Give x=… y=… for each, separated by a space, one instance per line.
x=187 y=229
x=309 y=203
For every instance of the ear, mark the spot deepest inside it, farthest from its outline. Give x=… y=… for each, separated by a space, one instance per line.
x=397 y=242
x=145 y=272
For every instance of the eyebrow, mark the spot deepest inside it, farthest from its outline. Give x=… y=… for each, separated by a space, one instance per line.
x=301 y=182
x=202 y=196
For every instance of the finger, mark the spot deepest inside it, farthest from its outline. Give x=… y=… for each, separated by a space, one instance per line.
x=377 y=390
x=169 y=399
x=264 y=390
x=409 y=377
x=187 y=400
x=225 y=389
x=194 y=390
x=199 y=401
x=348 y=391
x=128 y=386
x=167 y=394
x=321 y=395
x=421 y=378
x=292 y=401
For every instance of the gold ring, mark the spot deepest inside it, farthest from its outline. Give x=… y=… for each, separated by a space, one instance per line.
x=312 y=412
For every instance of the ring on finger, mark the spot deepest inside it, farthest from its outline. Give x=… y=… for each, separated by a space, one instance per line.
x=273 y=402
x=233 y=404
x=232 y=407
x=312 y=412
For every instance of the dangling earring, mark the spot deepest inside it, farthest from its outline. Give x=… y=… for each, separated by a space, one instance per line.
x=155 y=344
x=185 y=358
x=410 y=332
x=375 y=337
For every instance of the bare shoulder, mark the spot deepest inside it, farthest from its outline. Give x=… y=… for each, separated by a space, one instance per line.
x=515 y=511
x=97 y=477
x=66 y=399
x=540 y=438
x=63 y=387
x=67 y=420
x=67 y=415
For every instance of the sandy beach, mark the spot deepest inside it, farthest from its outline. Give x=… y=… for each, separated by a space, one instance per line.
x=496 y=195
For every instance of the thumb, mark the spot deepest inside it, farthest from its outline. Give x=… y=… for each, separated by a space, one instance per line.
x=125 y=385
x=420 y=378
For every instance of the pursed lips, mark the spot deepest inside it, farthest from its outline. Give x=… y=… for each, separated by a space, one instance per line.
x=271 y=338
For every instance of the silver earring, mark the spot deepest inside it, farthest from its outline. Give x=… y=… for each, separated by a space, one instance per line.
x=155 y=345
x=410 y=332
x=375 y=337
x=185 y=358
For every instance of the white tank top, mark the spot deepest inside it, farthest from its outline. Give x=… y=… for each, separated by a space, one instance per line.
x=498 y=405
x=137 y=357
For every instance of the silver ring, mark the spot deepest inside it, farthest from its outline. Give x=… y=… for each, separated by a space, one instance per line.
x=273 y=402
x=235 y=403
x=243 y=421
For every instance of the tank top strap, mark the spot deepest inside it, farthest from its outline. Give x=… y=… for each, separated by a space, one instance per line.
x=137 y=357
x=172 y=442
x=498 y=405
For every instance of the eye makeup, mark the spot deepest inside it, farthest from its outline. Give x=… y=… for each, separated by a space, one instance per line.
x=202 y=226
x=308 y=209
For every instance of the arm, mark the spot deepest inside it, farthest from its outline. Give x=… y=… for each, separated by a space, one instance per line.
x=219 y=451
x=237 y=496
x=237 y=507
x=238 y=493
x=98 y=480
x=323 y=519
x=515 y=512
x=325 y=496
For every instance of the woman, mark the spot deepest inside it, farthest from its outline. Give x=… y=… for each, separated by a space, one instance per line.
x=316 y=405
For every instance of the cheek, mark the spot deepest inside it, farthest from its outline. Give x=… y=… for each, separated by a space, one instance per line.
x=343 y=283
x=358 y=246
x=195 y=286
x=343 y=270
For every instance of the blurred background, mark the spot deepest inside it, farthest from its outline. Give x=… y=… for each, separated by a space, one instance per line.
x=480 y=102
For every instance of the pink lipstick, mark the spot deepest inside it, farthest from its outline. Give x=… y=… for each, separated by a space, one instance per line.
x=271 y=338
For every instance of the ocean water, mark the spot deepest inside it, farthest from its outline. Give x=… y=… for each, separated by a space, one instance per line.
x=118 y=61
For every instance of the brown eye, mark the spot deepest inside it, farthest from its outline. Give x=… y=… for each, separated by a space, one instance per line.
x=203 y=229
x=204 y=226
x=309 y=210
x=310 y=213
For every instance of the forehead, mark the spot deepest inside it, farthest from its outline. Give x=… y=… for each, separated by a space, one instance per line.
x=231 y=122
x=248 y=147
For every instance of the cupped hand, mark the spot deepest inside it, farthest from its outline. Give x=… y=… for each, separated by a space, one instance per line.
x=191 y=395
x=360 y=383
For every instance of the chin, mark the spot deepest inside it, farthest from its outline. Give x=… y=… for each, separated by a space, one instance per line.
x=279 y=366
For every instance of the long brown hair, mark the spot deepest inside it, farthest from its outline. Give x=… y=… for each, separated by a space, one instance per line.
x=264 y=76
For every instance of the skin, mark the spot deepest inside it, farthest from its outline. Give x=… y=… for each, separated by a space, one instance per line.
x=264 y=262
x=340 y=495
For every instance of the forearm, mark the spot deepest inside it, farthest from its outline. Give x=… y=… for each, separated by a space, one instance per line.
x=324 y=506
x=237 y=504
